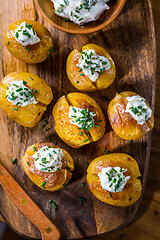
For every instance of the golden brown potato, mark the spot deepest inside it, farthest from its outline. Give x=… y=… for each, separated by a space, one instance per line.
x=70 y=133
x=28 y=115
x=131 y=191
x=53 y=180
x=83 y=82
x=35 y=53
x=122 y=122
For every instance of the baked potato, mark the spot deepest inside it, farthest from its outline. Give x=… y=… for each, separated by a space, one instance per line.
x=130 y=115
x=51 y=178
x=84 y=132
x=35 y=35
x=95 y=79
x=24 y=109
x=102 y=184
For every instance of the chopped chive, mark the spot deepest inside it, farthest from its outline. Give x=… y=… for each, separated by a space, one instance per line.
x=80 y=19
x=110 y=194
x=66 y=19
x=16 y=109
x=107 y=98
x=111 y=185
x=58 y=169
x=60 y=10
x=114 y=170
x=28 y=163
x=74 y=110
x=54 y=10
x=77 y=81
x=54 y=205
x=86 y=140
x=97 y=126
x=71 y=13
x=17 y=34
x=82 y=74
x=43 y=184
x=47 y=129
x=82 y=211
x=64 y=184
x=104 y=149
x=81 y=133
x=8 y=43
x=55 y=143
x=81 y=200
x=120 y=169
x=24 y=82
x=50 y=201
x=76 y=16
x=131 y=141
x=54 y=151
x=83 y=184
x=27 y=48
x=106 y=152
x=114 y=180
x=35 y=91
x=87 y=163
x=34 y=149
x=14 y=160
x=67 y=168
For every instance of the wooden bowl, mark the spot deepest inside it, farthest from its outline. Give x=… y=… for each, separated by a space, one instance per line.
x=46 y=8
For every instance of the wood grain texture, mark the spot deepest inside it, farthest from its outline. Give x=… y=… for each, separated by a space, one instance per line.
x=46 y=9
x=130 y=41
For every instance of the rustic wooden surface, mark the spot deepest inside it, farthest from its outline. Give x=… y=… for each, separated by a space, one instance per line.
x=130 y=43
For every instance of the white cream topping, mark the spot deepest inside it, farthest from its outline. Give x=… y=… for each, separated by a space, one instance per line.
x=48 y=159
x=80 y=11
x=138 y=108
x=112 y=179
x=92 y=65
x=19 y=94
x=81 y=117
x=26 y=35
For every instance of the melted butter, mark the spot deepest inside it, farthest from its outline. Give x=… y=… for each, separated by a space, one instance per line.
x=112 y=179
x=80 y=11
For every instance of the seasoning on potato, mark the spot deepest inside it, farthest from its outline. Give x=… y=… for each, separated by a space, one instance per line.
x=78 y=119
x=48 y=166
x=92 y=69
x=113 y=179
x=24 y=97
x=29 y=41
x=130 y=115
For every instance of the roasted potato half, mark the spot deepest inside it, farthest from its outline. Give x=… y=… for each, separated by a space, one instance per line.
x=124 y=122
x=132 y=189
x=40 y=91
x=81 y=81
x=76 y=135
x=50 y=181
x=34 y=53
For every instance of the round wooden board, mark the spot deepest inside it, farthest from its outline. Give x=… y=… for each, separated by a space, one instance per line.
x=130 y=41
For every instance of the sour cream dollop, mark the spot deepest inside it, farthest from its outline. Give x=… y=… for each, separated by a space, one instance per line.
x=82 y=118
x=81 y=11
x=48 y=159
x=113 y=179
x=92 y=64
x=19 y=94
x=26 y=35
x=138 y=108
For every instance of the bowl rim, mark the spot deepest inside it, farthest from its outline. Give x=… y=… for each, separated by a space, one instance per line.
x=83 y=31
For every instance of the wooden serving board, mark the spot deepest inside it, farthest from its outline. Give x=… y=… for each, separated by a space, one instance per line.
x=131 y=42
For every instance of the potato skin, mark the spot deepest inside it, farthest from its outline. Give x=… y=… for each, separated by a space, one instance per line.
x=31 y=114
x=85 y=84
x=54 y=180
x=122 y=122
x=38 y=52
x=132 y=190
x=70 y=133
